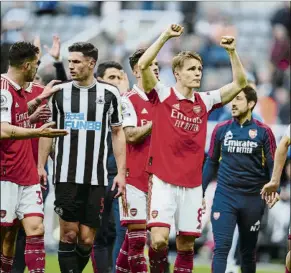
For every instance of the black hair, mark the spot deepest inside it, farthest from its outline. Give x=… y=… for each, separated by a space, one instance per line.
x=134 y=58
x=21 y=52
x=88 y=49
x=105 y=65
x=251 y=95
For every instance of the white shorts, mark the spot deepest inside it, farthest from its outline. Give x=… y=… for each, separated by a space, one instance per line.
x=168 y=202
x=18 y=202
x=133 y=206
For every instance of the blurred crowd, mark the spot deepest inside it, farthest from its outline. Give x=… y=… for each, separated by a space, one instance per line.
x=267 y=63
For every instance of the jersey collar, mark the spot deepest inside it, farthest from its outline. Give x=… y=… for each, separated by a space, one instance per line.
x=29 y=88
x=247 y=122
x=14 y=84
x=140 y=92
x=181 y=97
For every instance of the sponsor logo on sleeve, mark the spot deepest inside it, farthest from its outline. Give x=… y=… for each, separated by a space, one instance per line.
x=3 y=100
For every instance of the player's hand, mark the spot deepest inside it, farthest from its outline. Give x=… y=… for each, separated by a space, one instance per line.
x=42 y=174
x=269 y=188
x=50 y=89
x=272 y=199
x=37 y=43
x=42 y=113
x=173 y=31
x=119 y=182
x=47 y=130
x=55 y=50
x=124 y=84
x=203 y=205
x=228 y=43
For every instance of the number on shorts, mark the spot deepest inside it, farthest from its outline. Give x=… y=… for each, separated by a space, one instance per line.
x=39 y=195
x=101 y=205
x=199 y=218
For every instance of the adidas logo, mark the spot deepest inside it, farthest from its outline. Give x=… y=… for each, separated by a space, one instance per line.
x=144 y=111
x=16 y=105
x=177 y=106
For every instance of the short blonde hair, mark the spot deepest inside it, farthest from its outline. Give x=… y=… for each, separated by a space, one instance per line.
x=179 y=59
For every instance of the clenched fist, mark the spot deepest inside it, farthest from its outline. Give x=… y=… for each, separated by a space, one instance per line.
x=228 y=42
x=174 y=31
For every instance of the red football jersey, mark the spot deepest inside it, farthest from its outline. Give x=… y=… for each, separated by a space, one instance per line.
x=137 y=111
x=179 y=134
x=32 y=91
x=17 y=162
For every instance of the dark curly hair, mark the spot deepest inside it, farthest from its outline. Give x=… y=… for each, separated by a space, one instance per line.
x=88 y=49
x=21 y=52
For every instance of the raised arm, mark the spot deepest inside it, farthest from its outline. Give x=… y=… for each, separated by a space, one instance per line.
x=229 y=91
x=149 y=79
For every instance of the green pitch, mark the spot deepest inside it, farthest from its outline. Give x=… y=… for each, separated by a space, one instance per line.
x=52 y=266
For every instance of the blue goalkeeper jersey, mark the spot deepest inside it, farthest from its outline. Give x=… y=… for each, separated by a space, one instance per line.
x=242 y=156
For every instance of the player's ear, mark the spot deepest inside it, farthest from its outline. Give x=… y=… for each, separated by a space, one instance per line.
x=26 y=65
x=136 y=72
x=251 y=104
x=92 y=63
x=176 y=74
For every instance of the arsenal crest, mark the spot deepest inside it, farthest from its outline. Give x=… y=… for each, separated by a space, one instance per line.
x=253 y=133
x=216 y=215
x=133 y=212
x=155 y=214
x=197 y=109
x=2 y=213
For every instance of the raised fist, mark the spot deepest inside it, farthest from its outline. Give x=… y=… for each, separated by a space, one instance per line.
x=228 y=42
x=174 y=31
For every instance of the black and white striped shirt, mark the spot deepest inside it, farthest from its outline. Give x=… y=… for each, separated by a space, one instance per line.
x=87 y=113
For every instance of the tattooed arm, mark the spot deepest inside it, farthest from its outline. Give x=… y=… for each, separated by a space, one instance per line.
x=48 y=91
x=135 y=135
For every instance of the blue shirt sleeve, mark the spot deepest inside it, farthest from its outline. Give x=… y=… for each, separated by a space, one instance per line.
x=212 y=162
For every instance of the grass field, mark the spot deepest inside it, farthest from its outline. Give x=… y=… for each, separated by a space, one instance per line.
x=52 y=266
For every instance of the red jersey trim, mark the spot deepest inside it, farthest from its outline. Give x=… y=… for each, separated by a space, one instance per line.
x=9 y=224
x=124 y=223
x=186 y=233
x=158 y=224
x=33 y=214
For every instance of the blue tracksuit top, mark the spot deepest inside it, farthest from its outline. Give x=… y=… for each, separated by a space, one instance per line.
x=242 y=154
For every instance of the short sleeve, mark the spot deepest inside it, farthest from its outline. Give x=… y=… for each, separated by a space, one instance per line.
x=115 y=110
x=128 y=113
x=160 y=91
x=212 y=99
x=6 y=105
x=287 y=132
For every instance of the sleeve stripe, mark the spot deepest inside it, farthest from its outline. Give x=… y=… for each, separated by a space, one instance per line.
x=213 y=136
x=4 y=84
x=270 y=135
